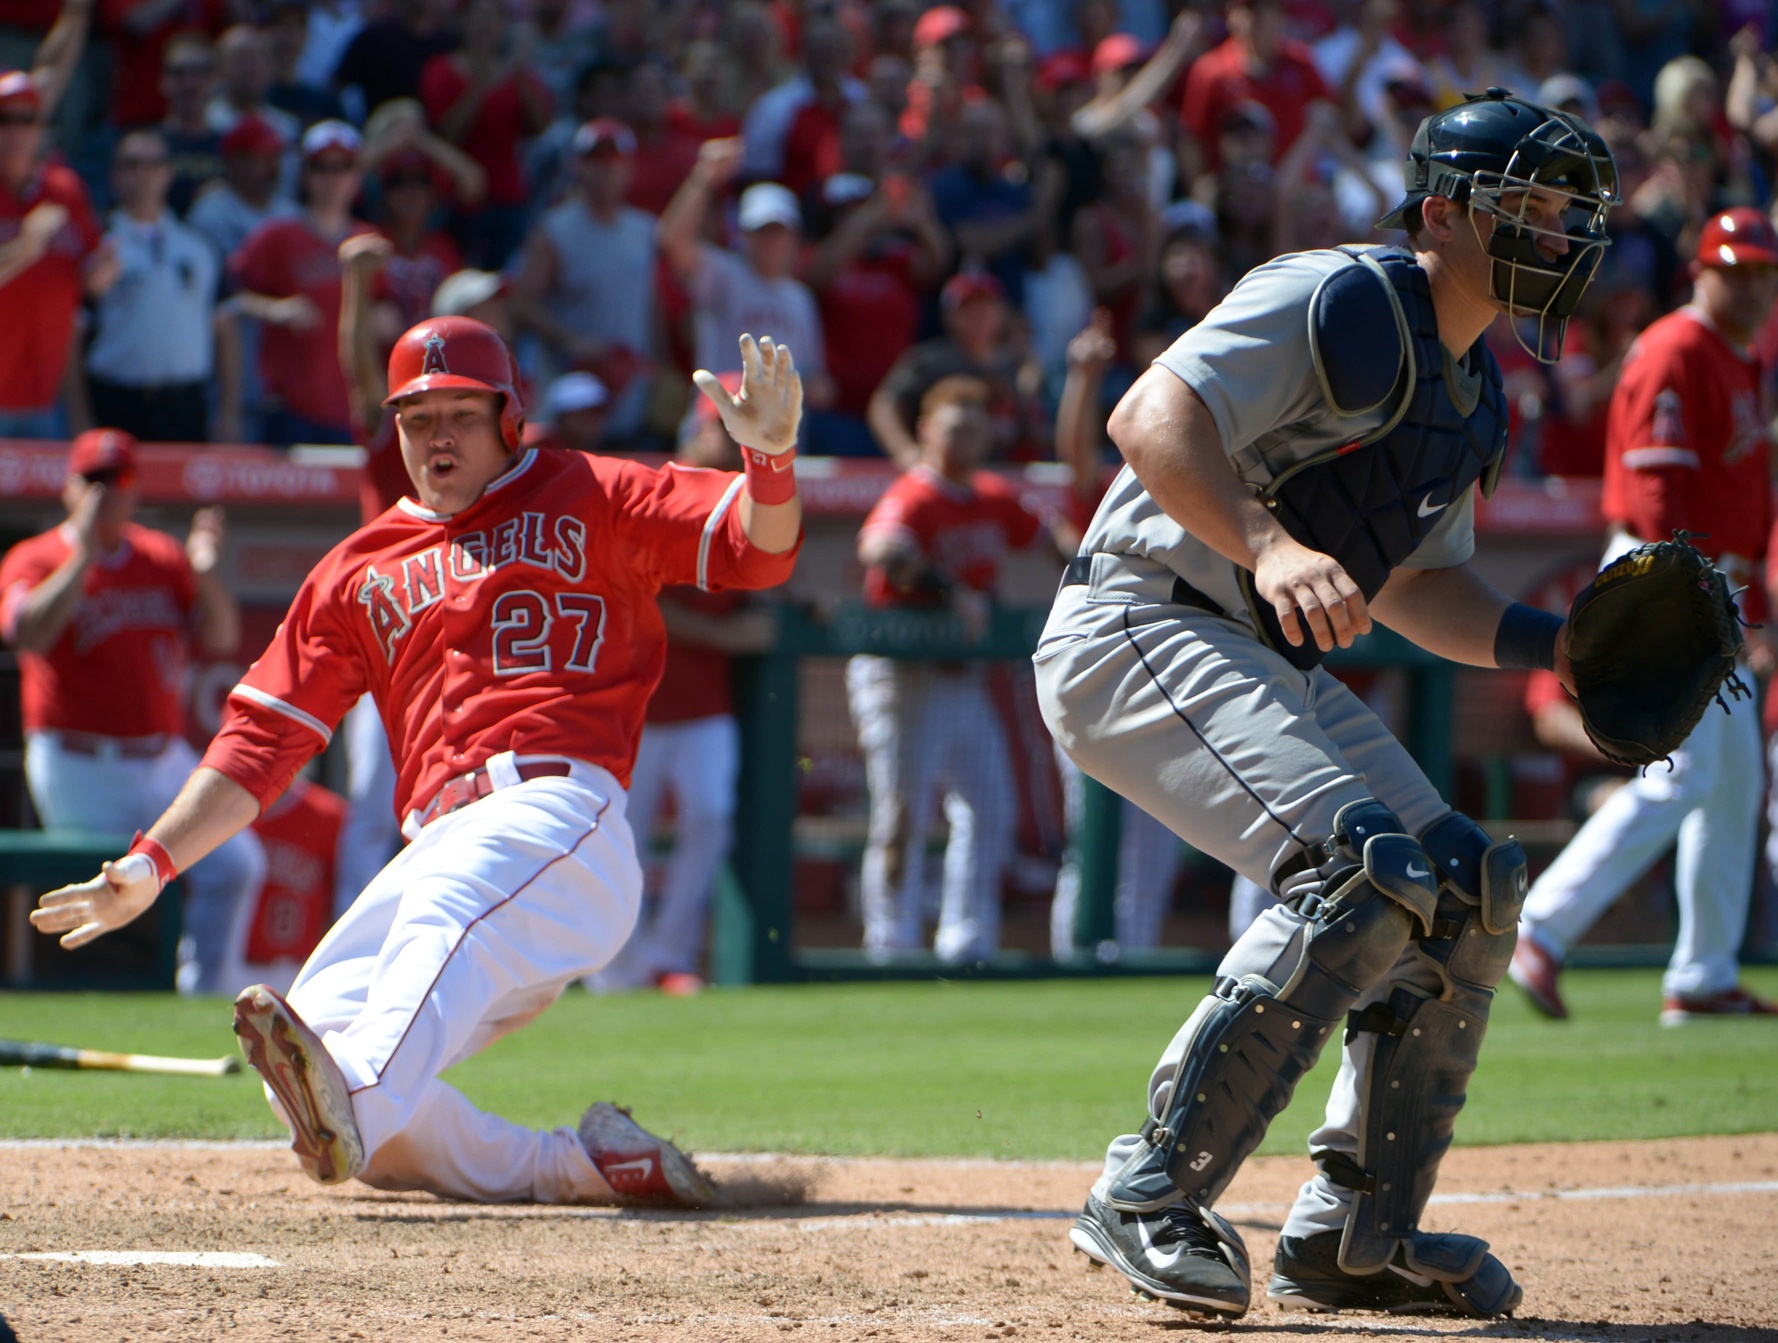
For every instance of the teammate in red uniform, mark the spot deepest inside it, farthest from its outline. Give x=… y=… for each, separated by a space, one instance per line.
x=103 y=613
x=506 y=624
x=1686 y=448
x=935 y=539
x=294 y=907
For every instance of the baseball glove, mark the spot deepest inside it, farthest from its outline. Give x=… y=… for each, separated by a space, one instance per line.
x=1652 y=641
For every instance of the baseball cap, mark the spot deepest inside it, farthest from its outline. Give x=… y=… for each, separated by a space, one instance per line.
x=939 y=24
x=968 y=284
x=844 y=188
x=331 y=135
x=461 y=292
x=768 y=203
x=1060 y=69
x=19 y=89
x=251 y=135
x=571 y=392
x=606 y=133
x=1115 y=52
x=102 y=450
x=1739 y=237
x=1190 y=220
x=1561 y=89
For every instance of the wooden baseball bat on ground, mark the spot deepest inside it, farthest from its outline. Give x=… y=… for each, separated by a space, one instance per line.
x=30 y=1054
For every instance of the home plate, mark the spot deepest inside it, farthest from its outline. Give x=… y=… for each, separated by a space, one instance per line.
x=175 y=1258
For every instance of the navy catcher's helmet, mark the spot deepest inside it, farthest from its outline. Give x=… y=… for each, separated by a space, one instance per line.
x=1491 y=154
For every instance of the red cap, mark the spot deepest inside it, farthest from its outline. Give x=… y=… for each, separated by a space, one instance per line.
x=607 y=133
x=17 y=86
x=102 y=450
x=1060 y=69
x=1115 y=52
x=965 y=285
x=251 y=135
x=939 y=24
x=1739 y=237
x=447 y=352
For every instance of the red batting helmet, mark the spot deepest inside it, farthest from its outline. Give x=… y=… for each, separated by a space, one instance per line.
x=1739 y=237
x=444 y=352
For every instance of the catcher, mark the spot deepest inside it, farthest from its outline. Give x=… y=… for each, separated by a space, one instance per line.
x=1686 y=447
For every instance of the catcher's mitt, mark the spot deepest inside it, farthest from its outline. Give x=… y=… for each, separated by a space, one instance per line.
x=1652 y=640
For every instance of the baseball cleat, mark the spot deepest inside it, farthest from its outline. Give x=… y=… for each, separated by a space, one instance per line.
x=307 y=1082
x=1536 y=972
x=1176 y=1256
x=1735 y=1002
x=642 y=1170
x=1307 y=1276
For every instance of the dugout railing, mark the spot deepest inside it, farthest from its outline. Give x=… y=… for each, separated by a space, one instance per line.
x=753 y=938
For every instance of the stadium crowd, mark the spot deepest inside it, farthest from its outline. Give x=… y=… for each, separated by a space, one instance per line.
x=975 y=224
x=639 y=181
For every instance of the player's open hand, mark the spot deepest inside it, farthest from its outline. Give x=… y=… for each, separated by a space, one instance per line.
x=767 y=411
x=122 y=891
x=1295 y=579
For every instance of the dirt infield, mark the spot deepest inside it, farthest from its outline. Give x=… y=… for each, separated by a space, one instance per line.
x=1665 y=1241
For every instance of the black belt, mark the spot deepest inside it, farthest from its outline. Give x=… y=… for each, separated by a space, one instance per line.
x=1080 y=570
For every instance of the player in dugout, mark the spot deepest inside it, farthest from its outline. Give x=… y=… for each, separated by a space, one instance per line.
x=506 y=623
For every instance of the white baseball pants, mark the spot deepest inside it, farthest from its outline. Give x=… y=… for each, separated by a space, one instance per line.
x=1709 y=802
x=469 y=933
x=698 y=762
x=1149 y=857
x=72 y=790
x=922 y=728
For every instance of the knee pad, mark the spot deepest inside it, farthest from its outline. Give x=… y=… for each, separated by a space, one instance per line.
x=1427 y=1046
x=1264 y=1024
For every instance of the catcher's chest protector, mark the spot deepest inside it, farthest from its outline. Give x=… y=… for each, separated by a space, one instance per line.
x=1370 y=503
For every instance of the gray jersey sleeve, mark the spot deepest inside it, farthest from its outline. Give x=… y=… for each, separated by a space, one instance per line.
x=1249 y=359
x=1452 y=541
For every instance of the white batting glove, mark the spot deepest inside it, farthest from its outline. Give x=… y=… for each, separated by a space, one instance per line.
x=121 y=892
x=766 y=413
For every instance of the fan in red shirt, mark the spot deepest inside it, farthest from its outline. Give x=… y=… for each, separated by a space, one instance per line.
x=1256 y=63
x=51 y=256
x=506 y=624
x=485 y=100
x=140 y=31
x=1686 y=450
x=289 y=272
x=935 y=541
x=104 y=614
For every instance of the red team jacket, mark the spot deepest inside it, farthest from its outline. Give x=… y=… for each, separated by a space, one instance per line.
x=525 y=623
x=961 y=531
x=1686 y=443
x=119 y=668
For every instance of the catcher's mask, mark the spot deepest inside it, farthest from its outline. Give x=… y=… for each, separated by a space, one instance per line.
x=1500 y=155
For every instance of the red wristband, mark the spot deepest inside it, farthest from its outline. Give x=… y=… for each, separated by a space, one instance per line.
x=770 y=480
x=156 y=853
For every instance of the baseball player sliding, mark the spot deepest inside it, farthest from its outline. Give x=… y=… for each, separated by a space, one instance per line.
x=1301 y=464
x=506 y=624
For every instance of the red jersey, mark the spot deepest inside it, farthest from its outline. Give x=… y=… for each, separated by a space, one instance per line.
x=1685 y=442
x=301 y=835
x=1219 y=79
x=500 y=123
x=282 y=258
x=525 y=623
x=695 y=683
x=870 y=315
x=960 y=531
x=119 y=668
x=40 y=302
x=410 y=280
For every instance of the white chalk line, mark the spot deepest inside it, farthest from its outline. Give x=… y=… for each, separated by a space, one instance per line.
x=133 y=1258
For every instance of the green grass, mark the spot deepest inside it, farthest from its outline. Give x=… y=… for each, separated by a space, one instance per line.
x=1045 y=1069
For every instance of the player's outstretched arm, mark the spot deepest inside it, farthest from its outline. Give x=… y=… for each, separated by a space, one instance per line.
x=210 y=809
x=1455 y=613
x=764 y=417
